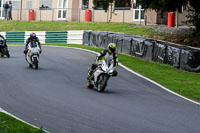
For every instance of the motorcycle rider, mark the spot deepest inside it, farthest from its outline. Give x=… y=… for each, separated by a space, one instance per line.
x=32 y=37
x=3 y=41
x=108 y=52
x=1 y=37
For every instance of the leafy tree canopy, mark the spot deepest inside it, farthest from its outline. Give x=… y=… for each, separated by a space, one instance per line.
x=162 y=5
x=104 y=4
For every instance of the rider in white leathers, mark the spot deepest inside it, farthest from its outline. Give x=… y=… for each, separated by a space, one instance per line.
x=107 y=54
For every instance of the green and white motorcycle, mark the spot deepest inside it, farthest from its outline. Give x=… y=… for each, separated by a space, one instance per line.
x=101 y=75
x=32 y=56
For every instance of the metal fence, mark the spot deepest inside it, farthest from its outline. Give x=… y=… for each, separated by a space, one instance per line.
x=77 y=15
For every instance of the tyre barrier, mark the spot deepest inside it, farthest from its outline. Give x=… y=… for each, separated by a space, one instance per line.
x=179 y=56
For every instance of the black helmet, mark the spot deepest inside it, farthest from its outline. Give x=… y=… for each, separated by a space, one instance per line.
x=33 y=35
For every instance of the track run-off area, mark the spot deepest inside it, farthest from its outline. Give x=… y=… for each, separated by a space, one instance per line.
x=56 y=97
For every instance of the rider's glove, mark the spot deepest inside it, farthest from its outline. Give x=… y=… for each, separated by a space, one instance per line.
x=97 y=59
x=25 y=51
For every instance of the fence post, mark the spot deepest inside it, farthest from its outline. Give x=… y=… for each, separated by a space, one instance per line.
x=40 y=15
x=17 y=15
x=123 y=15
x=79 y=14
x=145 y=19
x=52 y=14
x=93 y=15
x=67 y=15
x=107 y=14
x=176 y=17
x=21 y=11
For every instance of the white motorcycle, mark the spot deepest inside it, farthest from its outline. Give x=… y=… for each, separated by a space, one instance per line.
x=101 y=75
x=32 y=56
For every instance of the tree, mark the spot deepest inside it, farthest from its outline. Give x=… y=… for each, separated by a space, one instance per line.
x=104 y=4
x=194 y=14
x=171 y=5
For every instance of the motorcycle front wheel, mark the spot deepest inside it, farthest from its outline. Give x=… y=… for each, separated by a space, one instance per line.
x=30 y=65
x=36 y=66
x=102 y=82
x=8 y=55
x=35 y=62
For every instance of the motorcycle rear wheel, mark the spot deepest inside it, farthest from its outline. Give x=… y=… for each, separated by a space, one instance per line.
x=89 y=85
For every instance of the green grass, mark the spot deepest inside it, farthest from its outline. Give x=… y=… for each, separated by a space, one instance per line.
x=11 y=125
x=184 y=83
x=63 y=26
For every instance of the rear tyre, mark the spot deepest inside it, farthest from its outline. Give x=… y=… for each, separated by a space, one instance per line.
x=89 y=84
x=102 y=82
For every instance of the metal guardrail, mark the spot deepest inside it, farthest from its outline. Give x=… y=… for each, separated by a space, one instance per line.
x=75 y=37
x=56 y=37
x=15 y=37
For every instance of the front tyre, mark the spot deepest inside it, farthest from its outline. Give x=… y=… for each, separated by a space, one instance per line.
x=30 y=65
x=36 y=66
x=35 y=62
x=102 y=82
x=8 y=55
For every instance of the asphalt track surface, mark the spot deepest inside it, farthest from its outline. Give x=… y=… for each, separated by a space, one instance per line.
x=56 y=97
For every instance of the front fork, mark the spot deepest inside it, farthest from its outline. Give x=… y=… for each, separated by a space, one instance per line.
x=35 y=59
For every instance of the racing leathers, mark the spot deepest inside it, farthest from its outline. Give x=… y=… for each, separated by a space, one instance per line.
x=108 y=57
x=2 y=42
x=36 y=39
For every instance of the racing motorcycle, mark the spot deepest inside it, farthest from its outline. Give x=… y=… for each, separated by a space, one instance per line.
x=101 y=75
x=32 y=56
x=4 y=49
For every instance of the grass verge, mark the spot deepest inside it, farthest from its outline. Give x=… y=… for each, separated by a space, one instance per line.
x=186 y=39
x=11 y=125
x=63 y=26
x=184 y=83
